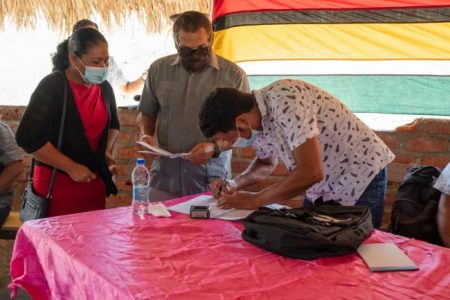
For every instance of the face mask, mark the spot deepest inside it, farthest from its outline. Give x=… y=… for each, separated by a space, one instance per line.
x=94 y=75
x=194 y=60
x=241 y=142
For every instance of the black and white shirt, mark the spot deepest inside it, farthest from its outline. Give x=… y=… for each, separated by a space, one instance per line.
x=352 y=154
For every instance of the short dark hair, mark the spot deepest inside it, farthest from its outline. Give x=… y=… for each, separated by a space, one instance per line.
x=220 y=109
x=79 y=43
x=191 y=21
x=84 y=23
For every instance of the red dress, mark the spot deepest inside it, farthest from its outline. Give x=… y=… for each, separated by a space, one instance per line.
x=71 y=197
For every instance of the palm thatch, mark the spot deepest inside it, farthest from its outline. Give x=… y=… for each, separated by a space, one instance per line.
x=62 y=14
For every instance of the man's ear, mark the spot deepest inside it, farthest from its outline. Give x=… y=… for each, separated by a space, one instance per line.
x=241 y=121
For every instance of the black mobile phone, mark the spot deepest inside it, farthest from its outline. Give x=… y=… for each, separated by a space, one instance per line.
x=199 y=212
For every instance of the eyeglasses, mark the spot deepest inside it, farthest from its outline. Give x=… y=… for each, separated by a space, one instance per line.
x=188 y=52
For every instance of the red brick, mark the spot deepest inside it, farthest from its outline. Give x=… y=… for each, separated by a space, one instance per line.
x=127 y=137
x=437 y=161
x=128 y=152
x=396 y=172
x=123 y=170
x=437 y=126
x=385 y=221
x=127 y=117
x=11 y=113
x=406 y=159
x=389 y=200
x=121 y=199
x=414 y=126
x=390 y=139
x=424 y=144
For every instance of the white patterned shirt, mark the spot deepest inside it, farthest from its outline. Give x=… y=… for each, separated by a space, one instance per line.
x=443 y=182
x=352 y=154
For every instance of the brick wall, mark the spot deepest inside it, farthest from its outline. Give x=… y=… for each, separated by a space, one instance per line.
x=425 y=141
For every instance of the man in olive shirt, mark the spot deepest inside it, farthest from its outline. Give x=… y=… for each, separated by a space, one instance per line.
x=173 y=93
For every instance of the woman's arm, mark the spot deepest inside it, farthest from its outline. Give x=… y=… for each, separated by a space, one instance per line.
x=48 y=154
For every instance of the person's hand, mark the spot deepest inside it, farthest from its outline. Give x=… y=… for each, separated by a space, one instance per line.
x=111 y=163
x=152 y=142
x=144 y=75
x=222 y=187
x=80 y=173
x=201 y=153
x=240 y=200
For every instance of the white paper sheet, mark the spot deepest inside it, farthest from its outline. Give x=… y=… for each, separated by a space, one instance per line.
x=231 y=214
x=158 y=151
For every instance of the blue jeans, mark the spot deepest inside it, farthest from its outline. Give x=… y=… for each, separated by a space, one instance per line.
x=373 y=197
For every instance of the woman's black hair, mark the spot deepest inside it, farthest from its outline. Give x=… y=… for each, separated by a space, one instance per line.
x=79 y=43
x=84 y=23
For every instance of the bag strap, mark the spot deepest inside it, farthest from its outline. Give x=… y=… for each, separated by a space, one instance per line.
x=60 y=140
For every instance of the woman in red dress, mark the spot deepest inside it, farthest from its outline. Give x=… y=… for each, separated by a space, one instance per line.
x=83 y=180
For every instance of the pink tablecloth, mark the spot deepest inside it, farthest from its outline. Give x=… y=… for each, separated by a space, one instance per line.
x=110 y=254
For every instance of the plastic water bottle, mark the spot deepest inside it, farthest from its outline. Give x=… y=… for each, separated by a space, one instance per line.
x=140 y=178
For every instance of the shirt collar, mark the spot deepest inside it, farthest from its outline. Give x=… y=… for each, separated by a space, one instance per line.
x=260 y=102
x=213 y=62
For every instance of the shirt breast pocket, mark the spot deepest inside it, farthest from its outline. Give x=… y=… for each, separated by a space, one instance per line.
x=163 y=92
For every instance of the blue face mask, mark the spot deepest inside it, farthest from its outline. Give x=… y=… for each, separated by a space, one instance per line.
x=241 y=142
x=94 y=75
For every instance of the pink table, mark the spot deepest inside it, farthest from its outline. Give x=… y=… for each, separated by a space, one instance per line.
x=110 y=254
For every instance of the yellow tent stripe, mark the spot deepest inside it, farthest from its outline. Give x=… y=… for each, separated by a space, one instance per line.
x=334 y=41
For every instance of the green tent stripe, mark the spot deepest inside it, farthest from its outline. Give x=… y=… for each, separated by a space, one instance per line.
x=390 y=94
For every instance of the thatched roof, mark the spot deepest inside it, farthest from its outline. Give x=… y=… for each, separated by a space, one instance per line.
x=62 y=14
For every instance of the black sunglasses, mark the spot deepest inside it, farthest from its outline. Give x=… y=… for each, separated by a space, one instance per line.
x=187 y=52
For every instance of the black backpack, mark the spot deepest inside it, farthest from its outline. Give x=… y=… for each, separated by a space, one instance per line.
x=323 y=230
x=416 y=204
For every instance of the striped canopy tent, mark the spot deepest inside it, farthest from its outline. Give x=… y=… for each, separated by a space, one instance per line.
x=378 y=56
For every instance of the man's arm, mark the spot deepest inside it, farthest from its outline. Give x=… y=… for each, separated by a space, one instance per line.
x=257 y=171
x=146 y=124
x=443 y=219
x=135 y=85
x=308 y=172
x=9 y=174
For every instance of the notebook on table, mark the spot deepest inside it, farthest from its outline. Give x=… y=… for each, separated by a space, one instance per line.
x=382 y=257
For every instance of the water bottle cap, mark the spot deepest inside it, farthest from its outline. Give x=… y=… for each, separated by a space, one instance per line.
x=140 y=161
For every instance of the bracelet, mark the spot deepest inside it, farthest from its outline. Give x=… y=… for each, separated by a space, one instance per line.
x=216 y=150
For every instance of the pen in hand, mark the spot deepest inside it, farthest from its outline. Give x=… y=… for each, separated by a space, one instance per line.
x=224 y=183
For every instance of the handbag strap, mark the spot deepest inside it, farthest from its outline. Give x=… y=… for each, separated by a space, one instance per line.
x=60 y=140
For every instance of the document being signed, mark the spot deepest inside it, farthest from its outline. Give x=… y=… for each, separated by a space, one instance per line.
x=158 y=151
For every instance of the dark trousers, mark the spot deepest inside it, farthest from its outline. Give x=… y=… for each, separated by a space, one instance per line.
x=373 y=197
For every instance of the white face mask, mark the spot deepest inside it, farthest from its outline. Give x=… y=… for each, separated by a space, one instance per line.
x=241 y=142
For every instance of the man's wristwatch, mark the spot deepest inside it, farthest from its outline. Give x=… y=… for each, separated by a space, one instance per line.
x=216 y=150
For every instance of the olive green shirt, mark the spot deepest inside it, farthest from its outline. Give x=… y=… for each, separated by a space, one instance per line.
x=175 y=96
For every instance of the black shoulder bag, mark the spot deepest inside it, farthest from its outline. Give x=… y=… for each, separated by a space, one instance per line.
x=34 y=206
x=309 y=233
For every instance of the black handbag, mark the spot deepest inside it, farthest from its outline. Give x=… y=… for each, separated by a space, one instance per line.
x=34 y=206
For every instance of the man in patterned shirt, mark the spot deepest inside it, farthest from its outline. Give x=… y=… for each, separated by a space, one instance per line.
x=329 y=152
